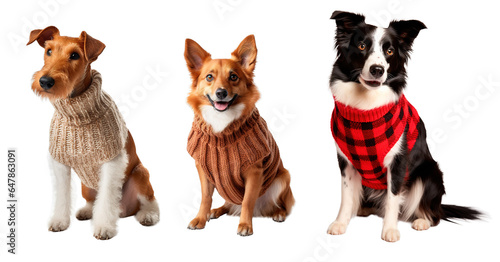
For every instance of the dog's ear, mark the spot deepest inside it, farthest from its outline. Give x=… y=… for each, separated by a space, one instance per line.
x=347 y=21
x=92 y=47
x=407 y=30
x=42 y=35
x=195 y=56
x=246 y=53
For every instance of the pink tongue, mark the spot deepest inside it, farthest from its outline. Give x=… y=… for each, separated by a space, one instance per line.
x=221 y=105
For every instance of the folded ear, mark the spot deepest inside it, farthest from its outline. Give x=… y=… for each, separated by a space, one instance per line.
x=246 y=53
x=195 y=56
x=347 y=21
x=407 y=30
x=92 y=47
x=43 y=35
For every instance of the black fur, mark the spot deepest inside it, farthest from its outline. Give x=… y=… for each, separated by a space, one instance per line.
x=351 y=29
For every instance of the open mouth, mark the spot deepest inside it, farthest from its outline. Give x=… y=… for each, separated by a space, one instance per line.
x=371 y=83
x=222 y=106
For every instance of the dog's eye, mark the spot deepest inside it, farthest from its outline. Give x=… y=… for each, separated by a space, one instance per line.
x=49 y=52
x=209 y=78
x=233 y=77
x=361 y=46
x=74 y=56
x=390 y=51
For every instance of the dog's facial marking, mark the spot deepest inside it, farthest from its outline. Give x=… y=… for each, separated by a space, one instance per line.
x=374 y=72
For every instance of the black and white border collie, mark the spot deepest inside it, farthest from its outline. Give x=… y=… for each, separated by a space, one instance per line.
x=369 y=73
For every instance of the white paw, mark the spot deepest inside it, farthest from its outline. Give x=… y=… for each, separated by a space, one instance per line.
x=279 y=218
x=390 y=234
x=58 y=224
x=420 y=224
x=245 y=230
x=337 y=228
x=85 y=213
x=148 y=217
x=104 y=232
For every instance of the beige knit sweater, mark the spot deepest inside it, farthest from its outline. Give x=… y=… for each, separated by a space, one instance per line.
x=87 y=131
x=226 y=155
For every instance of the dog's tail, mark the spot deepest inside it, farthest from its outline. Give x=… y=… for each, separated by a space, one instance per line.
x=460 y=212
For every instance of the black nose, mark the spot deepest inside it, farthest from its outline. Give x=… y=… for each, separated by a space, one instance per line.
x=376 y=71
x=221 y=93
x=46 y=82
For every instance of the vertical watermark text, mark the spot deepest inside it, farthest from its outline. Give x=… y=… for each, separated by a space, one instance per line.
x=12 y=201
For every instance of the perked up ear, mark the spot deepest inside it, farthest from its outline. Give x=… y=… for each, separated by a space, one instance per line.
x=43 y=35
x=347 y=21
x=92 y=47
x=195 y=56
x=246 y=54
x=407 y=30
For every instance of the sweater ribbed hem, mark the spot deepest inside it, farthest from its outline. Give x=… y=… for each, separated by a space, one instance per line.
x=226 y=155
x=87 y=131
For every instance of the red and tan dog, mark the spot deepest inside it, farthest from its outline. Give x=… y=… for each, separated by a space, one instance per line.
x=89 y=135
x=232 y=147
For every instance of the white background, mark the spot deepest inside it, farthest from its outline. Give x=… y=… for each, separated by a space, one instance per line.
x=451 y=62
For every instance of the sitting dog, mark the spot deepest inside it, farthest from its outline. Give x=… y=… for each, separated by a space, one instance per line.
x=385 y=163
x=88 y=134
x=233 y=149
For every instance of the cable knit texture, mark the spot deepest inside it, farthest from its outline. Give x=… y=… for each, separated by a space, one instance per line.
x=226 y=155
x=87 y=131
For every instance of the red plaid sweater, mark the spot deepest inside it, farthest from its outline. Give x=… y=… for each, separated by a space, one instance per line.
x=366 y=136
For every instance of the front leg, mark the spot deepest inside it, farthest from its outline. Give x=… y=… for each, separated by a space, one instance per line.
x=107 y=207
x=253 y=184
x=395 y=180
x=351 y=197
x=62 y=208
x=207 y=190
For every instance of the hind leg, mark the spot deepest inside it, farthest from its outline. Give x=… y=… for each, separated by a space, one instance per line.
x=89 y=194
x=285 y=200
x=149 y=212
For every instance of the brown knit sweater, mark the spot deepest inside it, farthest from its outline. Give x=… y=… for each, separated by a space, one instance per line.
x=87 y=131
x=226 y=155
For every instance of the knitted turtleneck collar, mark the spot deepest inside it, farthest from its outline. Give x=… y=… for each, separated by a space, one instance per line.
x=87 y=107
x=87 y=131
x=358 y=115
x=238 y=128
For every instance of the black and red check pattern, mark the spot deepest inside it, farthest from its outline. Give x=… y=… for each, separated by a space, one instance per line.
x=366 y=136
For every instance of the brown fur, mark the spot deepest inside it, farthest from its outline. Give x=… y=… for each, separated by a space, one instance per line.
x=72 y=78
x=242 y=63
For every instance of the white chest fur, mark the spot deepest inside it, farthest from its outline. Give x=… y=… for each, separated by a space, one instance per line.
x=355 y=95
x=220 y=120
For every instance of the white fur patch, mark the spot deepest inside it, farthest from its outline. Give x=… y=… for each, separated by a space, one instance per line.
x=377 y=57
x=412 y=200
x=265 y=203
x=356 y=95
x=149 y=214
x=395 y=150
x=220 y=120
